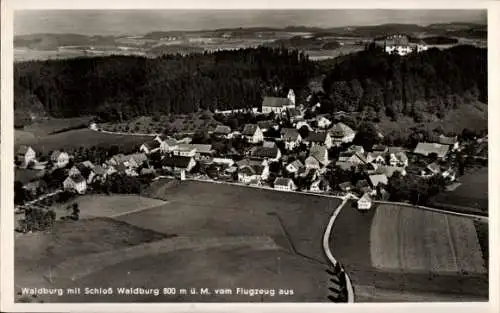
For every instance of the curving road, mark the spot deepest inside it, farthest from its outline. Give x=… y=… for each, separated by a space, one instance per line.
x=328 y=252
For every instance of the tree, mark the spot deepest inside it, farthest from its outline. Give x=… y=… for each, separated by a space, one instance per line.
x=304 y=131
x=366 y=136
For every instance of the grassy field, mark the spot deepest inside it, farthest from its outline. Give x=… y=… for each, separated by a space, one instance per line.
x=54 y=125
x=25 y=175
x=413 y=240
x=38 y=253
x=414 y=257
x=470 y=196
x=74 y=139
x=226 y=237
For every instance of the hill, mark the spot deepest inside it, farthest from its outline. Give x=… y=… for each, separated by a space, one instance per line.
x=432 y=82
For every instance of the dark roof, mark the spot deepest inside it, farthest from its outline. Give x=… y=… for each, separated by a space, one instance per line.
x=176 y=161
x=282 y=181
x=77 y=178
x=152 y=144
x=290 y=134
x=317 y=136
x=222 y=129
x=249 y=129
x=264 y=152
x=377 y=147
x=266 y=124
x=275 y=102
x=293 y=112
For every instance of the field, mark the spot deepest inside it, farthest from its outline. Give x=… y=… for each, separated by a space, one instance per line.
x=54 y=125
x=108 y=206
x=470 y=196
x=225 y=237
x=395 y=249
x=74 y=139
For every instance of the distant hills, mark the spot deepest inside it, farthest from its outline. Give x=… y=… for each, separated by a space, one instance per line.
x=463 y=30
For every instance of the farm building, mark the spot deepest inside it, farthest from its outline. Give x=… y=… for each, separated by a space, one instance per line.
x=323 y=122
x=284 y=184
x=451 y=142
x=59 y=158
x=320 y=153
x=365 y=202
x=341 y=133
x=294 y=115
x=266 y=125
x=378 y=179
x=253 y=133
x=177 y=163
x=75 y=183
x=253 y=174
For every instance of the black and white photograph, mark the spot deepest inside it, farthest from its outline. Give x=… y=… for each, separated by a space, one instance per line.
x=250 y=156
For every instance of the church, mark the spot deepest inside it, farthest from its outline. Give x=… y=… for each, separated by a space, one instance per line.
x=278 y=105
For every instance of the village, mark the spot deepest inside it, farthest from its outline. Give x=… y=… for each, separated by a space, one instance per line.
x=282 y=151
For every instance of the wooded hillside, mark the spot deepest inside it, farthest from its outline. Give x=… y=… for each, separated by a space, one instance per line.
x=431 y=82
x=122 y=87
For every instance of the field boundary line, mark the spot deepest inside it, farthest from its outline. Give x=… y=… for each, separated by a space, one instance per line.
x=139 y=210
x=474 y=216
x=452 y=244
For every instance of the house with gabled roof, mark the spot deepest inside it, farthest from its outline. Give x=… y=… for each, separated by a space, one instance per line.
x=291 y=138
x=365 y=202
x=301 y=124
x=168 y=145
x=25 y=154
x=59 y=158
x=272 y=154
x=398 y=159
x=320 y=138
x=150 y=146
x=284 y=184
x=294 y=115
x=75 y=183
x=320 y=153
x=341 y=133
x=352 y=157
x=376 y=157
x=177 y=163
x=266 y=125
x=320 y=185
x=426 y=149
x=378 y=179
x=253 y=174
x=294 y=166
x=323 y=122
x=253 y=133
x=277 y=104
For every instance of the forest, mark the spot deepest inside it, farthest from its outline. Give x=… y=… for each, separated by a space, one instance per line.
x=118 y=88
x=434 y=82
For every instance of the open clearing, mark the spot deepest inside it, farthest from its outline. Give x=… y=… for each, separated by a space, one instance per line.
x=470 y=196
x=86 y=138
x=53 y=125
x=414 y=240
x=402 y=269
x=108 y=206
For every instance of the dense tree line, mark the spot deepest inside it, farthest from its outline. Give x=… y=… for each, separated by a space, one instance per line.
x=122 y=87
x=433 y=82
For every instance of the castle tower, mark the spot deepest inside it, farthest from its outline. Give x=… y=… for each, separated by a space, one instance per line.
x=291 y=97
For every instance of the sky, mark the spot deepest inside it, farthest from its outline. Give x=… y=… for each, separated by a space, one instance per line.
x=137 y=22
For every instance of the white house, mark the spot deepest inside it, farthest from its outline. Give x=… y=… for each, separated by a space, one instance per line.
x=74 y=171
x=185 y=150
x=253 y=133
x=26 y=155
x=323 y=122
x=178 y=163
x=398 y=159
x=168 y=145
x=365 y=202
x=59 y=159
x=93 y=126
x=278 y=105
x=75 y=183
x=320 y=153
x=291 y=138
x=253 y=174
x=284 y=184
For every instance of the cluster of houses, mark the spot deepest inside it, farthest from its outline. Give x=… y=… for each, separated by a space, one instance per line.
x=269 y=147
